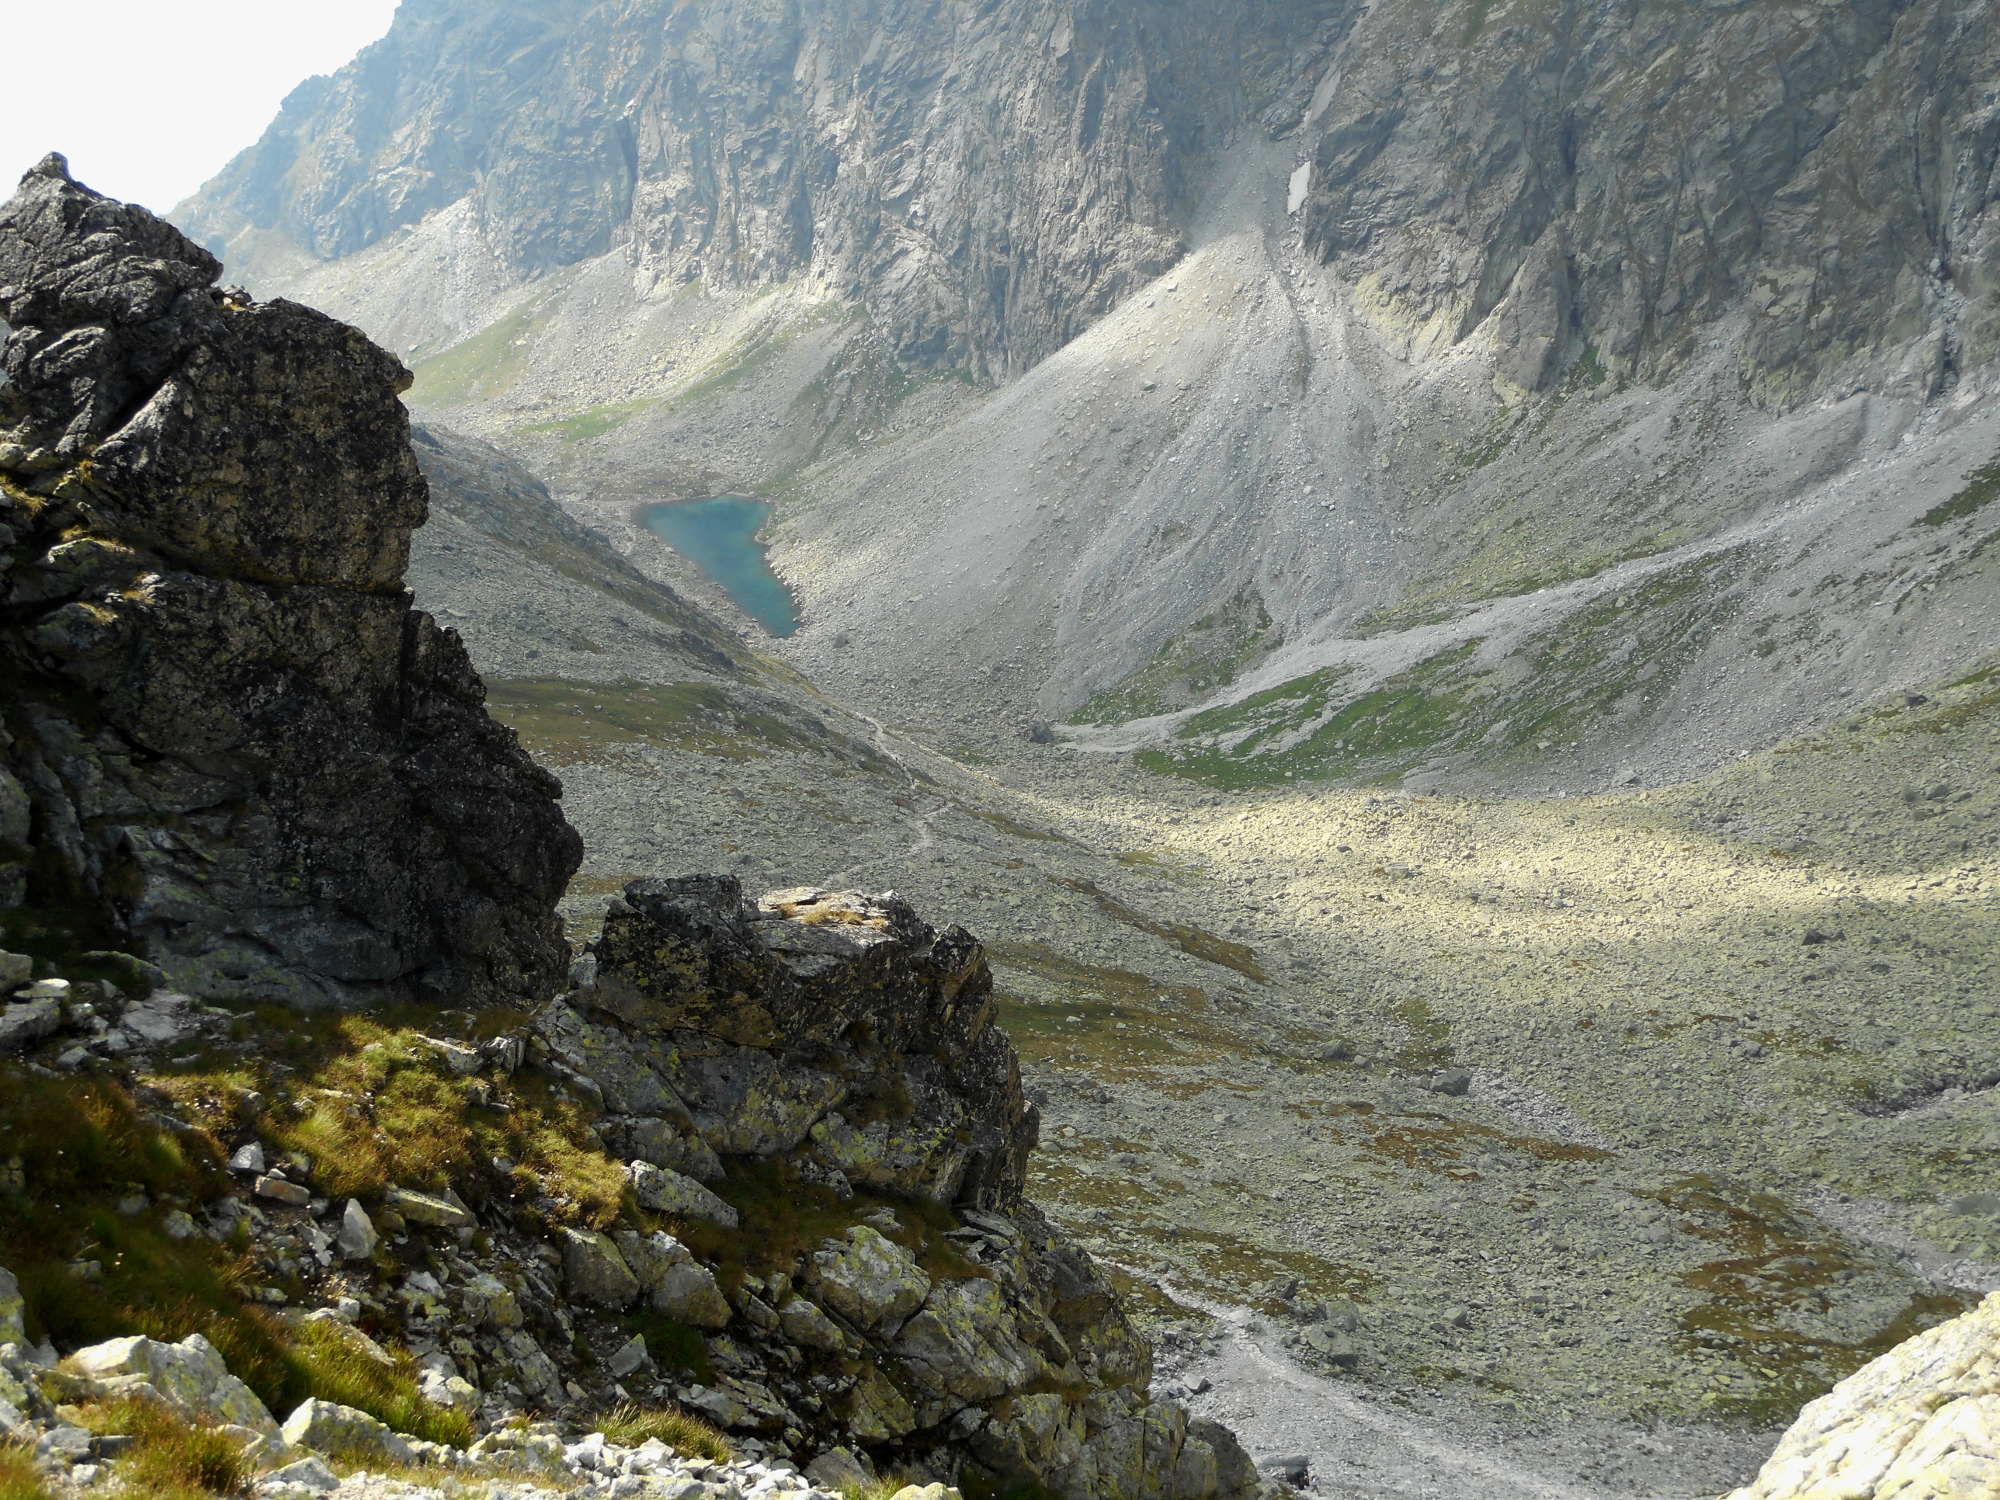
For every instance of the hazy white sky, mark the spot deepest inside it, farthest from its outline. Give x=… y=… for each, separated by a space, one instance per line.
x=150 y=98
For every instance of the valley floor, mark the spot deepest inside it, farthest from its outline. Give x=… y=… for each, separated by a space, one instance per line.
x=1579 y=1141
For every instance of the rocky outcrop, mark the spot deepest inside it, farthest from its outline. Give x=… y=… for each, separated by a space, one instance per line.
x=227 y=736
x=839 y=1039
x=1920 y=1423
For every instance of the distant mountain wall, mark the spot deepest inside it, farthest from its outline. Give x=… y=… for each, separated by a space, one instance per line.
x=1607 y=177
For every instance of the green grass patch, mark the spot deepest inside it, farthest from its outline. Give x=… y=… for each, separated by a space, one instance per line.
x=344 y=1371
x=89 y=1273
x=368 y=1100
x=564 y=723
x=1981 y=488
x=480 y=367
x=591 y=422
x=170 y=1457
x=1210 y=654
x=629 y=1426
x=18 y=1478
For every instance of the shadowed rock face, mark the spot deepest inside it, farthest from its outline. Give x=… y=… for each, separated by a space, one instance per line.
x=835 y=987
x=225 y=728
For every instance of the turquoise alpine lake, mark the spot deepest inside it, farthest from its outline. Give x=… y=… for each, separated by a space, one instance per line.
x=719 y=536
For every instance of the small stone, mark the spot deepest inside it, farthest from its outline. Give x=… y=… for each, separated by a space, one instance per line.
x=248 y=1158
x=1331 y=1345
x=307 y=1473
x=281 y=1191
x=357 y=1238
x=45 y=989
x=177 y=1225
x=16 y=969
x=629 y=1357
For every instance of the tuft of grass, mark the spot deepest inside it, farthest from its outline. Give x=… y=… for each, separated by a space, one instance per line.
x=172 y=1456
x=630 y=1425
x=372 y=1106
x=342 y=1371
x=18 y=1479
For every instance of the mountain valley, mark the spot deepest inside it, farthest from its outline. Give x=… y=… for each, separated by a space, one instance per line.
x=1422 y=578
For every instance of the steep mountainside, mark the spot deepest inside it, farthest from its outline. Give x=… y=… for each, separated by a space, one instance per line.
x=1349 y=351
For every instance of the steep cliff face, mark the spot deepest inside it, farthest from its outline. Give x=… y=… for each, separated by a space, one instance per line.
x=986 y=179
x=1622 y=176
x=226 y=731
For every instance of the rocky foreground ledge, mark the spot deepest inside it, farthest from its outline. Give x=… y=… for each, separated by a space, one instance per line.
x=817 y=1242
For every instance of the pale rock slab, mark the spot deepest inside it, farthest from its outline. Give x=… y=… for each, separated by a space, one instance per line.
x=1922 y=1422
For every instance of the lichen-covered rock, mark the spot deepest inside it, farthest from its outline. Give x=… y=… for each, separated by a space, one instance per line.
x=625 y=1082
x=190 y=1375
x=343 y=1432
x=594 y=1271
x=286 y=785
x=13 y=1330
x=666 y=1191
x=438 y=1210
x=803 y=1323
x=876 y=1411
x=961 y=1347
x=870 y=1280
x=664 y=1144
x=489 y=1302
x=689 y=1294
x=1921 y=1422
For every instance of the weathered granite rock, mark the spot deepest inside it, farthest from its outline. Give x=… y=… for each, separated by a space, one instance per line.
x=438 y=1210
x=840 y=1035
x=357 y=1238
x=342 y=1432
x=1921 y=1422
x=594 y=1270
x=664 y=1145
x=666 y=1191
x=489 y=1302
x=869 y=1280
x=1528 y=183
x=189 y=1375
x=286 y=785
